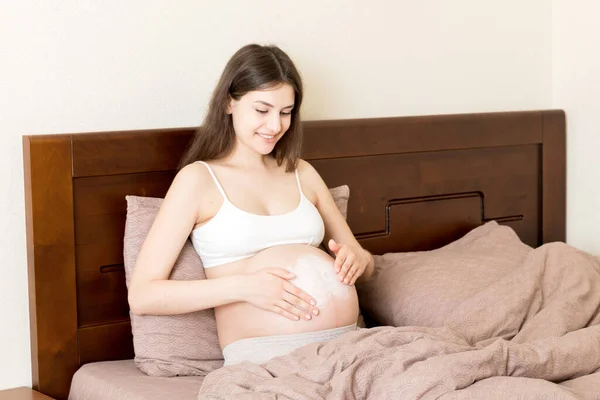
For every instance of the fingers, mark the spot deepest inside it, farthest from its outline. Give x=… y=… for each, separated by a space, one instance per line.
x=333 y=246
x=354 y=274
x=292 y=302
x=340 y=259
x=286 y=311
x=290 y=310
x=348 y=264
x=280 y=272
x=300 y=299
x=293 y=305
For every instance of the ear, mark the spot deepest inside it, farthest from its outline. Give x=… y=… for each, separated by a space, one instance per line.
x=229 y=108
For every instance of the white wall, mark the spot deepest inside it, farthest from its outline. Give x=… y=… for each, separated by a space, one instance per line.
x=75 y=65
x=576 y=89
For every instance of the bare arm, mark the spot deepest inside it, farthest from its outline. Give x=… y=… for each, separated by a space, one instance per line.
x=150 y=291
x=336 y=227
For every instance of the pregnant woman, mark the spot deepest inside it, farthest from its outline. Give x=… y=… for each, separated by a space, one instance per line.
x=256 y=215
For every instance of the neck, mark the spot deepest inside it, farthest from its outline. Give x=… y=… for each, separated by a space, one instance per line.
x=245 y=157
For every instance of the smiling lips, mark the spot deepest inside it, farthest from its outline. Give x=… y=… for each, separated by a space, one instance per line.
x=269 y=138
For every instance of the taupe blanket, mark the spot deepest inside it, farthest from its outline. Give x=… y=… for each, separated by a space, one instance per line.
x=533 y=334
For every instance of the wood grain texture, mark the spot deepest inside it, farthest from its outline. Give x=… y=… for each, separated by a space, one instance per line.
x=554 y=177
x=118 y=335
x=410 y=223
x=128 y=152
x=398 y=135
x=51 y=262
x=22 y=393
x=507 y=178
x=100 y=207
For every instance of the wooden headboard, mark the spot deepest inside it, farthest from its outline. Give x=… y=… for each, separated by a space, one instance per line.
x=416 y=183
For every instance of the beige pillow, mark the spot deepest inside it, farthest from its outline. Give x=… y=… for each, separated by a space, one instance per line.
x=177 y=345
x=169 y=345
x=340 y=195
x=421 y=288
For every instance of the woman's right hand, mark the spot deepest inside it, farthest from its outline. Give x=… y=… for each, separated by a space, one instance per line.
x=270 y=290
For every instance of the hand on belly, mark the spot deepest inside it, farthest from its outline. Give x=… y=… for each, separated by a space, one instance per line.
x=314 y=274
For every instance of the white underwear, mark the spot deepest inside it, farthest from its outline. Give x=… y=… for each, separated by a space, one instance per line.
x=261 y=349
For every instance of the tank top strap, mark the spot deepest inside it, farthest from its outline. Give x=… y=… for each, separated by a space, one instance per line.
x=215 y=179
x=299 y=186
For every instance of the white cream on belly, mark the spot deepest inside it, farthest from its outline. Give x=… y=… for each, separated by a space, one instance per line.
x=317 y=277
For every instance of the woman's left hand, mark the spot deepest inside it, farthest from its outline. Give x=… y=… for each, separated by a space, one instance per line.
x=350 y=262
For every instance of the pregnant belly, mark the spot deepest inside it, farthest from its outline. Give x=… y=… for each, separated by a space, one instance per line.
x=314 y=273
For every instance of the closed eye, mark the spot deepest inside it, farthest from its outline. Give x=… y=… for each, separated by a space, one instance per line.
x=266 y=111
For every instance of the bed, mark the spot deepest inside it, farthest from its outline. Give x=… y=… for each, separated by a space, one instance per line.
x=416 y=184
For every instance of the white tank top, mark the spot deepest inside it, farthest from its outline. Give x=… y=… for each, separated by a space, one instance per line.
x=234 y=234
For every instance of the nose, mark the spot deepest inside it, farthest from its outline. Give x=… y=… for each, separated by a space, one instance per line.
x=274 y=123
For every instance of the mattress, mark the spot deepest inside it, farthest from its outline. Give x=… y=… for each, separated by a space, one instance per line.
x=121 y=380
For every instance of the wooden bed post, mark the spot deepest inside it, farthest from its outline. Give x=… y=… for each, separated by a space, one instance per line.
x=51 y=262
x=554 y=177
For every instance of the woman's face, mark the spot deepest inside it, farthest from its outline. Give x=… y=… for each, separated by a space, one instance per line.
x=261 y=117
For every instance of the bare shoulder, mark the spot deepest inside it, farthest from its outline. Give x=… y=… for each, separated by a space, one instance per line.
x=194 y=173
x=306 y=170
x=193 y=177
x=195 y=187
x=311 y=179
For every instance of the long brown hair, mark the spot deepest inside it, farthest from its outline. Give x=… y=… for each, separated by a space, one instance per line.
x=253 y=67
